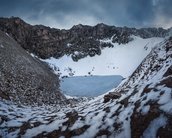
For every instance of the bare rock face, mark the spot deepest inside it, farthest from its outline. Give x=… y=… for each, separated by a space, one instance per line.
x=48 y=42
x=24 y=79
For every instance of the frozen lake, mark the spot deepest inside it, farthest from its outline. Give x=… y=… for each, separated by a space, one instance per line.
x=89 y=86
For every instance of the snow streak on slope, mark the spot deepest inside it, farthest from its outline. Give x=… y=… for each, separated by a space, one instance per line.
x=142 y=109
x=119 y=60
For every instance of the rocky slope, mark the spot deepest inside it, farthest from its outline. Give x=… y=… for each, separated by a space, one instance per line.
x=48 y=42
x=141 y=107
x=24 y=79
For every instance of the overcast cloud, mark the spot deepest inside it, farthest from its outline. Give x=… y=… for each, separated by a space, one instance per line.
x=66 y=13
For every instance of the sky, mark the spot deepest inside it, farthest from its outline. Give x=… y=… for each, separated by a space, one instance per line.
x=66 y=13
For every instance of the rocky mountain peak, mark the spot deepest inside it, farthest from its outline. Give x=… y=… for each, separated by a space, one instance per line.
x=48 y=42
x=79 y=26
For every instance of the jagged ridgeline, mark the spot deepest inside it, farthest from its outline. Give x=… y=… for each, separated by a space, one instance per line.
x=25 y=79
x=48 y=42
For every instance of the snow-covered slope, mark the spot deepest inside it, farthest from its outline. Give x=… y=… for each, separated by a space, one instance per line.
x=141 y=107
x=121 y=59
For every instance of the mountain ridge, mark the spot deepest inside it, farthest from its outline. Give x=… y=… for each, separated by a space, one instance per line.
x=46 y=42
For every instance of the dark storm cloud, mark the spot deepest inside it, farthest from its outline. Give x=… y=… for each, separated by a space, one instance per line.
x=140 y=11
x=65 y=13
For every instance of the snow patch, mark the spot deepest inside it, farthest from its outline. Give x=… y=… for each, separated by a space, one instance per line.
x=1 y=45
x=145 y=109
x=120 y=60
x=69 y=45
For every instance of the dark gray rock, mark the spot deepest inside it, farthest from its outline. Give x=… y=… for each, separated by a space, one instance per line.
x=24 y=79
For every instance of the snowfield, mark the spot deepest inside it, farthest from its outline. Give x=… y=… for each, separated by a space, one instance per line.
x=119 y=60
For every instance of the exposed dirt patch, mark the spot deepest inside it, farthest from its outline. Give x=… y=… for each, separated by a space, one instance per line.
x=4 y=95
x=168 y=72
x=167 y=82
x=24 y=128
x=103 y=132
x=111 y=95
x=67 y=133
x=146 y=90
x=107 y=109
x=140 y=122
x=72 y=117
